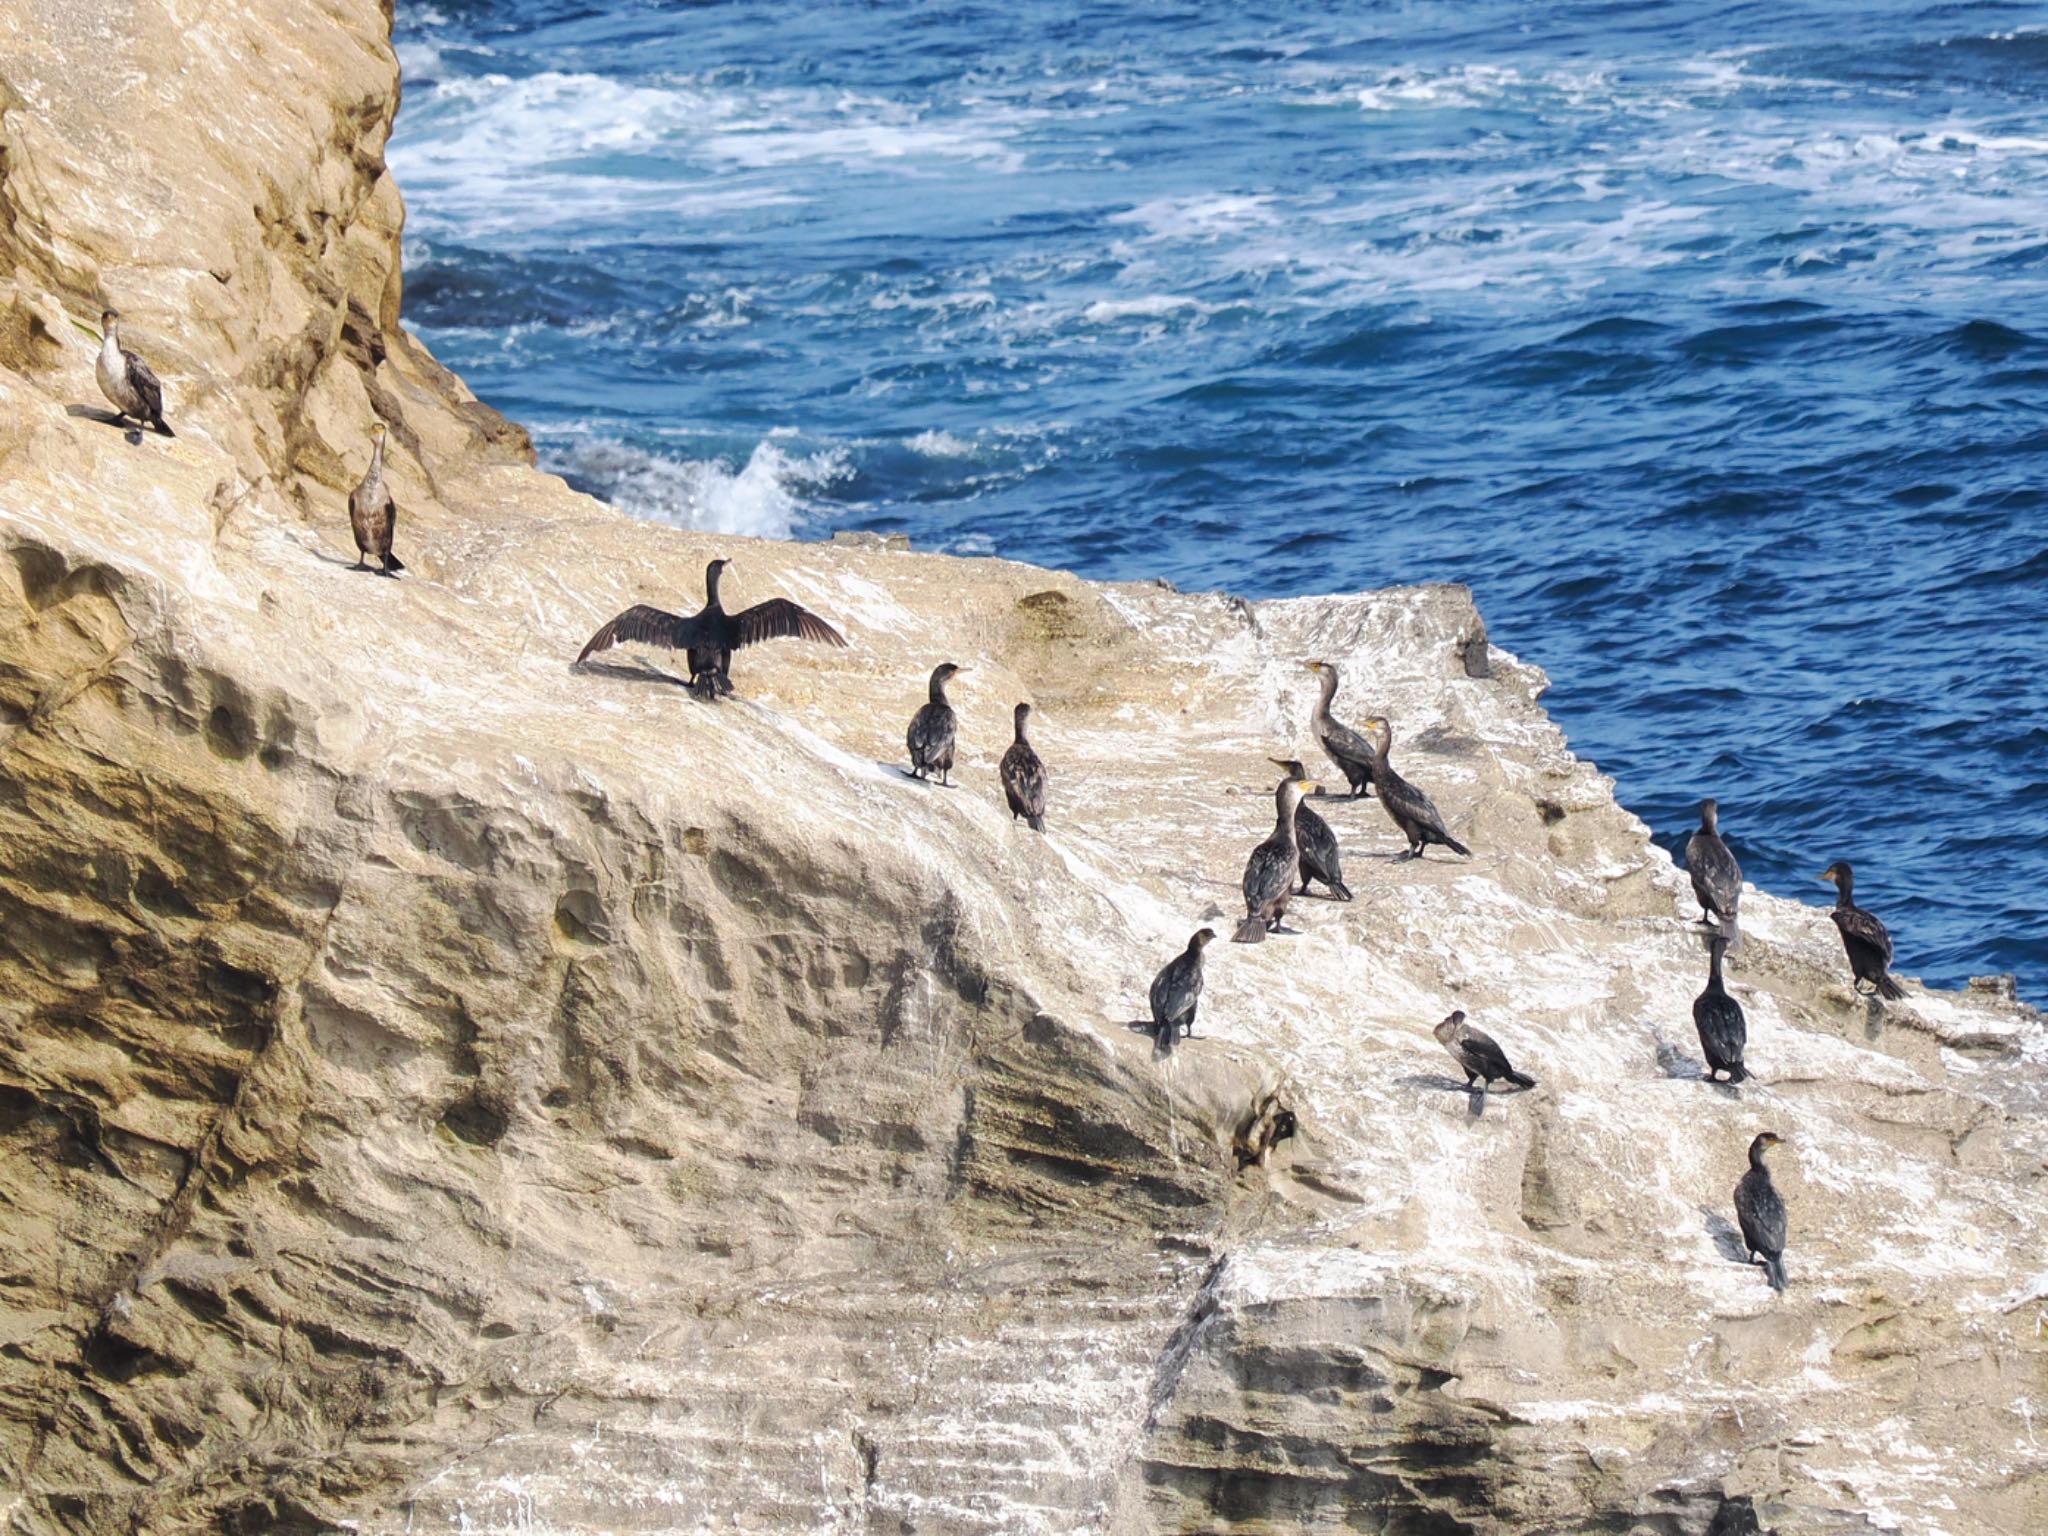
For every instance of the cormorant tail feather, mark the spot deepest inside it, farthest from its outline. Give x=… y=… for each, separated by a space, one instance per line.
x=1036 y=823
x=163 y=426
x=393 y=563
x=1521 y=1079
x=1251 y=931
x=1889 y=989
x=1775 y=1269
x=1457 y=847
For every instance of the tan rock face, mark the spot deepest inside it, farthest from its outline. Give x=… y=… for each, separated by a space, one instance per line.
x=442 y=1090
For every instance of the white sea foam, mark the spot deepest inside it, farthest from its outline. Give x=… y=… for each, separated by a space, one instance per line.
x=1152 y=306
x=940 y=445
x=765 y=497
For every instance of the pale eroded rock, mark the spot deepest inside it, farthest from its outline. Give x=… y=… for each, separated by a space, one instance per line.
x=442 y=1091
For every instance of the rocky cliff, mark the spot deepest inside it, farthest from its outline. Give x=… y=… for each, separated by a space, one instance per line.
x=443 y=1090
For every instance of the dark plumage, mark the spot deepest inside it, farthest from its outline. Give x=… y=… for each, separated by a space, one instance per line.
x=1413 y=811
x=1351 y=752
x=933 y=729
x=1176 y=990
x=1718 y=1018
x=1023 y=776
x=373 y=515
x=1270 y=873
x=1478 y=1054
x=1316 y=842
x=1716 y=877
x=1761 y=1210
x=711 y=635
x=1864 y=938
x=126 y=380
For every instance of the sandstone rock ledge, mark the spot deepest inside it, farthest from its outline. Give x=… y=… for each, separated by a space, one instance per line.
x=442 y=1092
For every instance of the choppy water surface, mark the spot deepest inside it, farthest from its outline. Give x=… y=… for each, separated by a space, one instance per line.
x=1707 y=343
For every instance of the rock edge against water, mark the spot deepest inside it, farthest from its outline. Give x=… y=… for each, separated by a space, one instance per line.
x=442 y=1091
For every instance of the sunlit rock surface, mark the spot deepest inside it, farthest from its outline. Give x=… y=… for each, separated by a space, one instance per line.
x=440 y=1090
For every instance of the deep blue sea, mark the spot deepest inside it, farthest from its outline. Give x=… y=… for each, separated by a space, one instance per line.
x=1708 y=343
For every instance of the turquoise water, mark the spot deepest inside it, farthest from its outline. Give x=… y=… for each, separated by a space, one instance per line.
x=1705 y=343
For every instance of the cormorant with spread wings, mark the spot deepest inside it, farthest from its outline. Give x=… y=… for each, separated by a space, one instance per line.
x=711 y=635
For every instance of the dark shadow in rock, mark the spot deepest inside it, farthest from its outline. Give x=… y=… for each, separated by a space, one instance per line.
x=1726 y=1235
x=106 y=419
x=630 y=674
x=1873 y=1017
x=1673 y=1062
x=1476 y=1098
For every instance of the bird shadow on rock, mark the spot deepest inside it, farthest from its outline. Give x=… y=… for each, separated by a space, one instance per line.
x=631 y=674
x=1727 y=1237
x=901 y=772
x=1673 y=1062
x=106 y=419
x=1475 y=1097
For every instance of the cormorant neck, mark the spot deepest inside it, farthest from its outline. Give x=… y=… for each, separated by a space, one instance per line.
x=376 y=459
x=1756 y=1157
x=711 y=576
x=1020 y=730
x=110 y=344
x=1329 y=681
x=1714 y=967
x=1845 y=890
x=938 y=690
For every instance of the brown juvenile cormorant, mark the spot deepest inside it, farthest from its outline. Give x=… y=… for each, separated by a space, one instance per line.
x=1176 y=990
x=1863 y=936
x=1761 y=1211
x=1023 y=776
x=1718 y=1018
x=1351 y=752
x=1413 y=811
x=711 y=635
x=373 y=515
x=125 y=379
x=933 y=730
x=1270 y=873
x=1478 y=1054
x=1318 y=844
x=1716 y=877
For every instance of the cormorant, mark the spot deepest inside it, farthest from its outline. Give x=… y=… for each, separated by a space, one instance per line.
x=1478 y=1054
x=1351 y=752
x=1023 y=776
x=1761 y=1211
x=373 y=514
x=125 y=379
x=1270 y=873
x=1716 y=877
x=1318 y=844
x=1863 y=936
x=711 y=635
x=1176 y=990
x=1413 y=811
x=1718 y=1018
x=933 y=730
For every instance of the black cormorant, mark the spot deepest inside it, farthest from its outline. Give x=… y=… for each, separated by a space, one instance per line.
x=1023 y=776
x=1413 y=811
x=1176 y=990
x=1351 y=752
x=1863 y=936
x=933 y=730
x=1318 y=844
x=1478 y=1054
x=1270 y=873
x=1716 y=877
x=126 y=380
x=711 y=635
x=1761 y=1211
x=373 y=515
x=1718 y=1018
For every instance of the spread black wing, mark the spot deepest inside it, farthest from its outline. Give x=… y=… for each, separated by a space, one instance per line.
x=778 y=619
x=650 y=626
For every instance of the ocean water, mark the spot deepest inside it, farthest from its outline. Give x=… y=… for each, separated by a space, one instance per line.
x=1706 y=342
